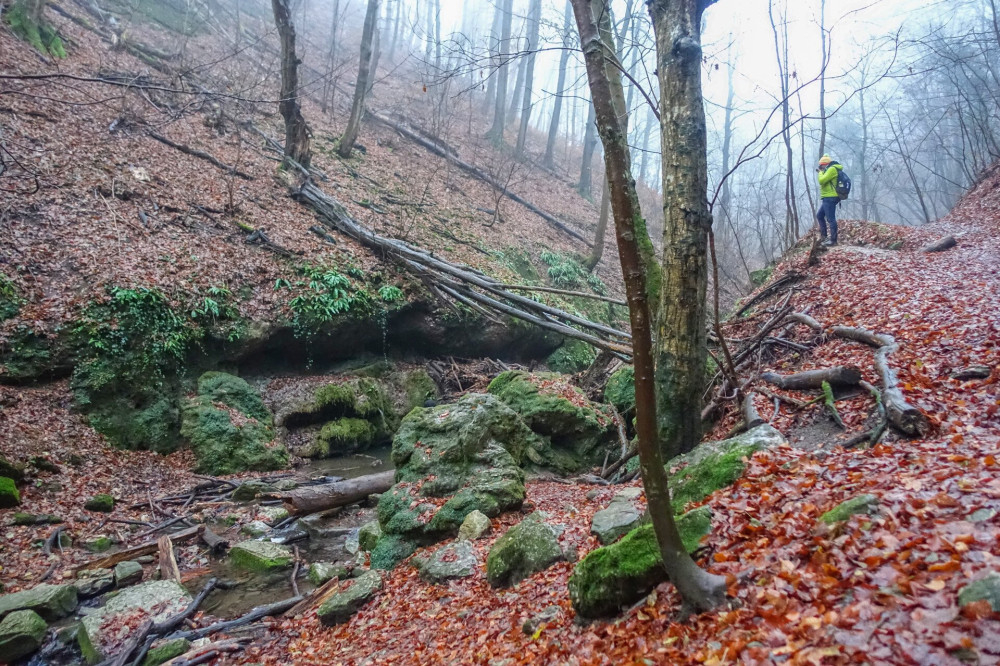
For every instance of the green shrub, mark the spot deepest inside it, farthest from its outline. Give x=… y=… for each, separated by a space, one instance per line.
x=10 y=299
x=620 y=390
x=390 y=294
x=572 y=356
x=324 y=295
x=43 y=37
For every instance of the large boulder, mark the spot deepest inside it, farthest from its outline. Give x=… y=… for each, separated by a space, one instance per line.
x=455 y=560
x=618 y=519
x=21 y=633
x=574 y=433
x=618 y=575
x=260 y=556
x=108 y=627
x=526 y=548
x=450 y=460
x=352 y=595
x=230 y=428
x=9 y=496
x=52 y=602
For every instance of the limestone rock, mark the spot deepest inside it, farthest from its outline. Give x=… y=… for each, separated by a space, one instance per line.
x=156 y=600
x=11 y=470
x=103 y=503
x=260 y=556
x=21 y=633
x=272 y=514
x=98 y=544
x=248 y=490
x=862 y=504
x=548 y=614
x=475 y=525
x=526 y=548
x=92 y=582
x=166 y=651
x=985 y=589
x=256 y=528
x=127 y=573
x=618 y=519
x=321 y=572
x=52 y=602
x=368 y=535
x=350 y=598
x=455 y=560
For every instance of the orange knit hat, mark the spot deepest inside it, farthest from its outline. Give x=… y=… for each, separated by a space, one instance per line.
x=826 y=159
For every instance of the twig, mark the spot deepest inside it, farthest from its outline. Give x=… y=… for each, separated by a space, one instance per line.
x=295 y=573
x=831 y=404
x=53 y=540
x=200 y=154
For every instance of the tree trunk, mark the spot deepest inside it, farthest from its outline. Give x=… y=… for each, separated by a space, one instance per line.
x=296 y=130
x=500 y=106
x=550 y=145
x=682 y=347
x=342 y=493
x=515 y=99
x=698 y=588
x=602 y=227
x=494 y=46
x=822 y=79
x=328 y=85
x=361 y=87
x=534 y=19
x=589 y=145
x=839 y=375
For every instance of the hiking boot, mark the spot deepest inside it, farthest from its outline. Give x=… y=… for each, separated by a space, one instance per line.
x=826 y=242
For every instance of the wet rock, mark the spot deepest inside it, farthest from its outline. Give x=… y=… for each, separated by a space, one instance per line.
x=475 y=525
x=319 y=527
x=9 y=496
x=468 y=452
x=575 y=433
x=532 y=624
x=127 y=573
x=21 y=633
x=352 y=544
x=98 y=544
x=350 y=598
x=455 y=560
x=272 y=514
x=321 y=572
x=92 y=582
x=286 y=484
x=985 y=589
x=256 y=528
x=618 y=519
x=249 y=490
x=260 y=556
x=526 y=548
x=618 y=575
x=860 y=505
x=166 y=651
x=979 y=515
x=52 y=602
x=368 y=535
x=155 y=600
x=103 y=503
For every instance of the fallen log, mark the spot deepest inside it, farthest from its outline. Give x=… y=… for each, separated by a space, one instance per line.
x=200 y=154
x=318 y=498
x=941 y=245
x=257 y=613
x=813 y=379
x=147 y=548
x=168 y=563
x=217 y=544
x=751 y=417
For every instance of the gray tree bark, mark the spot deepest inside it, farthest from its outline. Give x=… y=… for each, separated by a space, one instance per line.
x=500 y=107
x=296 y=129
x=534 y=19
x=361 y=86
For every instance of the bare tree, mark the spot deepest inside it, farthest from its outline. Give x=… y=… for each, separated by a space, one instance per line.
x=560 y=88
x=296 y=129
x=534 y=18
x=500 y=108
x=361 y=87
x=699 y=589
x=589 y=145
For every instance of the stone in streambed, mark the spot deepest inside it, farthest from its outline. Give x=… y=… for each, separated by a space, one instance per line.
x=52 y=602
x=127 y=573
x=92 y=582
x=21 y=633
x=260 y=556
x=368 y=535
x=349 y=599
x=103 y=503
x=321 y=572
x=256 y=528
x=475 y=525
x=455 y=560
x=166 y=651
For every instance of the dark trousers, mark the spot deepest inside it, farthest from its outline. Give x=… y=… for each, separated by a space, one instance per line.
x=827 y=213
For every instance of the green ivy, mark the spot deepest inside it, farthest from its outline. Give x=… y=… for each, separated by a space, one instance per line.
x=10 y=298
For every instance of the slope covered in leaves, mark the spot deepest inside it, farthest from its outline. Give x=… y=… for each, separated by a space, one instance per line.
x=876 y=589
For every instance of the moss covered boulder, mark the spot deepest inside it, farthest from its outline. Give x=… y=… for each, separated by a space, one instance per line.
x=450 y=460
x=352 y=595
x=526 y=548
x=11 y=470
x=9 y=495
x=52 y=602
x=102 y=628
x=21 y=633
x=573 y=356
x=860 y=505
x=166 y=651
x=620 y=390
x=618 y=575
x=260 y=556
x=230 y=428
x=985 y=589
x=102 y=503
x=574 y=433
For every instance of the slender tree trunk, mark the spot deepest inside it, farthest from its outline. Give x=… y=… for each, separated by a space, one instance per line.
x=437 y=36
x=515 y=100
x=822 y=79
x=296 y=130
x=699 y=589
x=494 y=48
x=534 y=19
x=361 y=87
x=681 y=342
x=646 y=135
x=791 y=212
x=500 y=107
x=395 y=31
x=376 y=56
x=589 y=144
x=331 y=58
x=602 y=229
x=550 y=145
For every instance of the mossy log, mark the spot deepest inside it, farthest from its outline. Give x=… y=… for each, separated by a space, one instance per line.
x=813 y=379
x=342 y=493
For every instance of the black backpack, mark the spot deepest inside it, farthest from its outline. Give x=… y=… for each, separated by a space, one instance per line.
x=843 y=184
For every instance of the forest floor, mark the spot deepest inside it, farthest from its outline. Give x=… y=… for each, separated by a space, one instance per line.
x=877 y=589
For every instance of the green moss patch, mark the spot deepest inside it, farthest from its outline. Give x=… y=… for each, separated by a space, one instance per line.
x=860 y=505
x=42 y=36
x=9 y=496
x=345 y=436
x=620 y=390
x=573 y=356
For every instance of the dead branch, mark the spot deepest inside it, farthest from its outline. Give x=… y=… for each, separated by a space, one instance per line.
x=168 y=563
x=318 y=498
x=201 y=155
x=788 y=278
x=564 y=292
x=147 y=548
x=257 y=613
x=813 y=379
x=941 y=245
x=751 y=418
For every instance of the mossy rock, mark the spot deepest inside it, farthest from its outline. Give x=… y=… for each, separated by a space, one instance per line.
x=321 y=572
x=230 y=428
x=620 y=390
x=572 y=357
x=390 y=550
x=525 y=549
x=260 y=556
x=985 y=589
x=166 y=651
x=574 y=432
x=11 y=470
x=9 y=495
x=21 y=633
x=10 y=299
x=42 y=36
x=860 y=505
x=52 y=602
x=419 y=388
x=138 y=421
x=98 y=544
x=103 y=503
x=350 y=598
x=344 y=436
x=368 y=535
x=22 y=518
x=618 y=575
x=248 y=490
x=714 y=465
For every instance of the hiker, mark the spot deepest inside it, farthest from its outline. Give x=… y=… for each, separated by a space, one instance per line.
x=827 y=173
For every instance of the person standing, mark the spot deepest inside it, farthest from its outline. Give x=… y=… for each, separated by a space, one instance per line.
x=827 y=173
